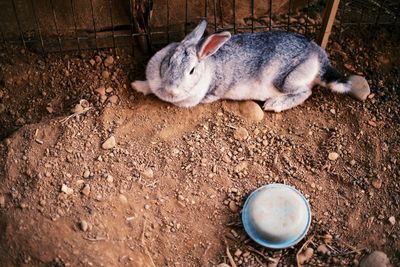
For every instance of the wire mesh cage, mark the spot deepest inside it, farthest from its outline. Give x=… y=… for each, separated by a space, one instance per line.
x=70 y=25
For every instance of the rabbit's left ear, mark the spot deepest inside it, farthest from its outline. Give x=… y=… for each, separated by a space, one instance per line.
x=212 y=43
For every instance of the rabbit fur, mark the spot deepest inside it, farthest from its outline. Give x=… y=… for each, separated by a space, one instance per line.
x=279 y=68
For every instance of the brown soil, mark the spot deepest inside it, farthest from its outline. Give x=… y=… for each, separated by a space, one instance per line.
x=170 y=192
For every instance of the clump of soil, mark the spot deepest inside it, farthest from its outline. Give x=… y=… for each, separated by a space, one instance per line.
x=124 y=179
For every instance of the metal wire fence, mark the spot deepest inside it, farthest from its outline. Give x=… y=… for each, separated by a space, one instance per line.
x=74 y=25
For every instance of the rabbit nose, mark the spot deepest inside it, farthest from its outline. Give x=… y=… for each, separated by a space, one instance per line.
x=173 y=92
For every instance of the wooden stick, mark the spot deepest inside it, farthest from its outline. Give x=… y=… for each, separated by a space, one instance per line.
x=327 y=21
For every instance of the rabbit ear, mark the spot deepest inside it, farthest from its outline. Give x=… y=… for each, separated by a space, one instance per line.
x=212 y=43
x=197 y=33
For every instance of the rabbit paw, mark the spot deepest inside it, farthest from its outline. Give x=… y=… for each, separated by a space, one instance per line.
x=281 y=103
x=209 y=99
x=141 y=86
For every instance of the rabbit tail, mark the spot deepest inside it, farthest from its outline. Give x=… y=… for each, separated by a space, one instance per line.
x=332 y=78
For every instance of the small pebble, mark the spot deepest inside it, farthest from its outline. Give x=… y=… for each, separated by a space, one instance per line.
x=122 y=199
x=84 y=225
x=101 y=90
x=148 y=173
x=113 y=99
x=86 y=174
x=105 y=74
x=147 y=206
x=232 y=206
x=2 y=201
x=109 y=178
x=109 y=143
x=97 y=59
x=109 y=89
x=86 y=190
x=65 y=189
x=241 y=134
x=323 y=249
x=108 y=61
x=375 y=259
x=377 y=183
x=392 y=220
x=333 y=156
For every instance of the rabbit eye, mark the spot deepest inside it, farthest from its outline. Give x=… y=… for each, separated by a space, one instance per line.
x=191 y=72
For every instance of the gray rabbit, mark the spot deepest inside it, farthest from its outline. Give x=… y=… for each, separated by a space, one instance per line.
x=279 y=68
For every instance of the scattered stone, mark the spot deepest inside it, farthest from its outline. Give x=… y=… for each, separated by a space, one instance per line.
x=108 y=61
x=238 y=252
x=251 y=111
x=109 y=143
x=86 y=174
x=123 y=199
x=305 y=256
x=359 y=87
x=372 y=123
x=352 y=162
x=86 y=190
x=392 y=220
x=248 y=110
x=377 y=183
x=48 y=108
x=241 y=134
x=148 y=173
x=84 y=225
x=375 y=259
x=109 y=89
x=109 y=178
x=92 y=62
x=2 y=201
x=65 y=189
x=323 y=249
x=147 y=206
x=97 y=59
x=101 y=90
x=105 y=74
x=232 y=206
x=2 y=108
x=241 y=166
x=113 y=99
x=327 y=238
x=332 y=156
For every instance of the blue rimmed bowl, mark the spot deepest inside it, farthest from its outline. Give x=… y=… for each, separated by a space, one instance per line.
x=276 y=216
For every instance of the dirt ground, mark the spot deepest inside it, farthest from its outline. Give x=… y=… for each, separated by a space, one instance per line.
x=169 y=191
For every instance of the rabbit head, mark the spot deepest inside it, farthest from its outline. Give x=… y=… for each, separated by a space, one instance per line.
x=183 y=70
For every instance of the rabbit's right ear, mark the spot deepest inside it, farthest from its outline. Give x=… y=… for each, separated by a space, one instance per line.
x=195 y=36
x=211 y=44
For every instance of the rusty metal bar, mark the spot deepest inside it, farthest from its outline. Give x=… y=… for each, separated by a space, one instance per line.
x=205 y=8
x=327 y=21
x=131 y=12
x=215 y=15
x=75 y=27
x=37 y=26
x=270 y=15
x=112 y=25
x=168 y=21
x=94 y=24
x=186 y=16
x=55 y=24
x=289 y=13
x=234 y=16
x=252 y=15
x=18 y=24
x=221 y=12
